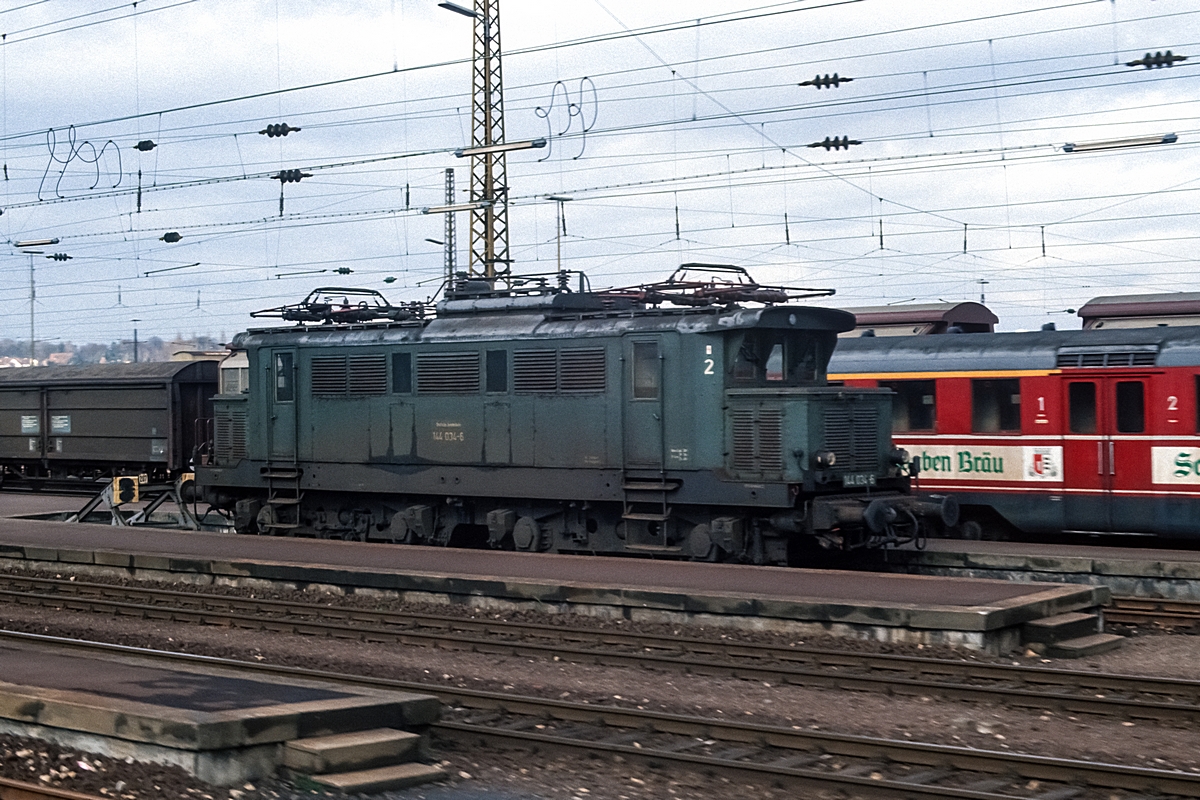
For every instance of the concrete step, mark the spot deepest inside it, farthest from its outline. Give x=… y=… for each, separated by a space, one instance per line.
x=1070 y=625
x=1084 y=646
x=380 y=779
x=357 y=750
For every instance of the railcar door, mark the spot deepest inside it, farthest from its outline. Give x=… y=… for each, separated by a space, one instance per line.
x=1107 y=455
x=644 y=403
x=1128 y=451
x=281 y=382
x=1086 y=496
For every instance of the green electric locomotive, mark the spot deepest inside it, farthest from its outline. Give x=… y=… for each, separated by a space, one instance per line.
x=669 y=420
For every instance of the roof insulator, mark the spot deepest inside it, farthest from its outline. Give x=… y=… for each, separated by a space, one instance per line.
x=343 y=270
x=59 y=257
x=290 y=176
x=145 y=145
x=170 y=237
x=277 y=129
x=1156 y=60
x=836 y=143
x=826 y=82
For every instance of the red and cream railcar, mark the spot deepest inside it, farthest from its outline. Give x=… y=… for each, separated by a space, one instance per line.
x=1092 y=430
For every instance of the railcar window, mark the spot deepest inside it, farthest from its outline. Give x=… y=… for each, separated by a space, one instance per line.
x=402 y=373
x=1131 y=407
x=914 y=408
x=645 y=371
x=996 y=405
x=285 y=391
x=497 y=370
x=1081 y=397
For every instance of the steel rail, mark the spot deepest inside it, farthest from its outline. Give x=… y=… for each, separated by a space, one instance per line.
x=881 y=766
x=1070 y=691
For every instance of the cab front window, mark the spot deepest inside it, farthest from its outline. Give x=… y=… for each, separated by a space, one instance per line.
x=771 y=358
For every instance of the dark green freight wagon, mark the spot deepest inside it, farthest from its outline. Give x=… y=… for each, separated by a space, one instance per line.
x=666 y=423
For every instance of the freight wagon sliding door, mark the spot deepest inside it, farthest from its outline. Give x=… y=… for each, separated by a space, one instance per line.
x=281 y=378
x=1105 y=457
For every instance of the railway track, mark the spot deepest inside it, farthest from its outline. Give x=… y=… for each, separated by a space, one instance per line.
x=1070 y=691
x=1150 y=611
x=857 y=765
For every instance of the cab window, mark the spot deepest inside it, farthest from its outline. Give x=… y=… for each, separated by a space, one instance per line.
x=774 y=357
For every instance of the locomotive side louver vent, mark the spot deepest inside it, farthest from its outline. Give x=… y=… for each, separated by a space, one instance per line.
x=535 y=371
x=368 y=374
x=569 y=371
x=329 y=375
x=582 y=370
x=229 y=435
x=1135 y=358
x=447 y=373
x=757 y=439
x=853 y=436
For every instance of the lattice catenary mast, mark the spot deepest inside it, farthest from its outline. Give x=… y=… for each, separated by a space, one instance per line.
x=489 y=178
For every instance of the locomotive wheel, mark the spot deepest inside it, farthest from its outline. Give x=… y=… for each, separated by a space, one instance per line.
x=971 y=530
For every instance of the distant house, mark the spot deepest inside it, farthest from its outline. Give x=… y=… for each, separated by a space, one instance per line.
x=60 y=358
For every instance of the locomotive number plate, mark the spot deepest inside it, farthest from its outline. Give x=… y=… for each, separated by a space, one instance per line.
x=861 y=479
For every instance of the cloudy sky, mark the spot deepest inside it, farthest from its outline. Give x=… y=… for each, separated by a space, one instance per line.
x=679 y=130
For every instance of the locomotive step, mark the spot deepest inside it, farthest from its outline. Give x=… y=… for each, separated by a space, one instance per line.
x=649 y=486
x=282 y=475
x=282 y=525
x=284 y=501
x=646 y=517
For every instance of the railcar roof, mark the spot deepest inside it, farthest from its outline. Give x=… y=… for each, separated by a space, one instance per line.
x=556 y=324
x=1008 y=351
x=93 y=374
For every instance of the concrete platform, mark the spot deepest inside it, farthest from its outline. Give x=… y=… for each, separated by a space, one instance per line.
x=981 y=614
x=1129 y=571
x=221 y=725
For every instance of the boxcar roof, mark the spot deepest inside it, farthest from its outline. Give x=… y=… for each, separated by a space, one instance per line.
x=491 y=327
x=1011 y=351
x=100 y=374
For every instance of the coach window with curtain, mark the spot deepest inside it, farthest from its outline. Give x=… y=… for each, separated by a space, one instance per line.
x=914 y=407
x=996 y=405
